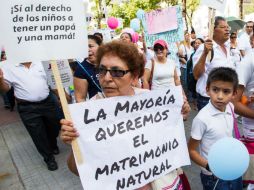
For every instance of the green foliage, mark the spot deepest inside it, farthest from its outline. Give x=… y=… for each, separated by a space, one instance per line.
x=127 y=10
x=248 y=8
x=191 y=6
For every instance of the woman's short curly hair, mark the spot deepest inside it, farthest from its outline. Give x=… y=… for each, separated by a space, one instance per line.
x=127 y=52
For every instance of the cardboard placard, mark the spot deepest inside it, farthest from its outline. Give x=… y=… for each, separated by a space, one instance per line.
x=43 y=30
x=64 y=70
x=161 y=20
x=132 y=142
x=169 y=36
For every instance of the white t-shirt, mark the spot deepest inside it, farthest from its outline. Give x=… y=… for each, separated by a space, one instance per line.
x=29 y=83
x=163 y=74
x=186 y=51
x=245 y=72
x=209 y=126
x=244 y=42
x=235 y=56
x=219 y=60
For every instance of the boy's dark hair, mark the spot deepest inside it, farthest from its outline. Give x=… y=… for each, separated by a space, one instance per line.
x=224 y=74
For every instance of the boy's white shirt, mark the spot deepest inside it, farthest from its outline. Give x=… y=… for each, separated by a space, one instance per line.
x=209 y=126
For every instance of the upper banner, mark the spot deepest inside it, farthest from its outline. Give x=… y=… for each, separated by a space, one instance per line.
x=170 y=36
x=43 y=30
x=158 y=20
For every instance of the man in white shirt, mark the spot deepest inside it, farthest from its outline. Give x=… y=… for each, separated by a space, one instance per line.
x=252 y=43
x=220 y=57
x=36 y=106
x=244 y=40
x=245 y=72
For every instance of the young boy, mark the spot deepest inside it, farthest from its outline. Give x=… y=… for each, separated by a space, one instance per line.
x=212 y=123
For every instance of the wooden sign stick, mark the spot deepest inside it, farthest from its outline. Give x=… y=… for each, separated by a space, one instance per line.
x=60 y=89
x=211 y=15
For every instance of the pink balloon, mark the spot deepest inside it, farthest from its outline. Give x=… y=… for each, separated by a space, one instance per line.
x=135 y=37
x=112 y=23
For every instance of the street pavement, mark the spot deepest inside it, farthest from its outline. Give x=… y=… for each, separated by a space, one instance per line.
x=21 y=166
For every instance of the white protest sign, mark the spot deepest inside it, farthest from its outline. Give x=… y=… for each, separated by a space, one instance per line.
x=43 y=30
x=128 y=142
x=89 y=18
x=215 y=4
x=64 y=70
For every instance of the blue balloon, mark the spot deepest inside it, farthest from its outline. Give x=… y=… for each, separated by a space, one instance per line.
x=135 y=24
x=140 y=13
x=228 y=158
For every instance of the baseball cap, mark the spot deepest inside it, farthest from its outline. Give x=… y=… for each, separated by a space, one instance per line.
x=162 y=43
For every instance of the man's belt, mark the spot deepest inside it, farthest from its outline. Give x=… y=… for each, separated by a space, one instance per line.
x=23 y=102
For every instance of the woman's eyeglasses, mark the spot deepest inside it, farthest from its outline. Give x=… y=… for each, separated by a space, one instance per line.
x=116 y=73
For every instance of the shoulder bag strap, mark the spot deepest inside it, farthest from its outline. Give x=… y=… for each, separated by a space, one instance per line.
x=152 y=69
x=88 y=74
x=236 y=130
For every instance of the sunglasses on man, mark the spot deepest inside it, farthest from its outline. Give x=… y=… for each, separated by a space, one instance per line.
x=115 y=73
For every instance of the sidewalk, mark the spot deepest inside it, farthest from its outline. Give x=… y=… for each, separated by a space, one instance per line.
x=24 y=168
x=21 y=165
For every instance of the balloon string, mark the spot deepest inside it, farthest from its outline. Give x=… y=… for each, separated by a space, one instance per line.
x=216 y=184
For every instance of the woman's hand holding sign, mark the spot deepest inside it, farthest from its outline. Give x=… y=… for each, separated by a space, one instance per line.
x=185 y=109
x=68 y=132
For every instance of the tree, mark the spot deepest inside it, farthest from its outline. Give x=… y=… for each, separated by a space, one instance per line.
x=127 y=10
x=248 y=8
x=241 y=9
x=191 y=7
x=97 y=9
x=184 y=13
x=171 y=2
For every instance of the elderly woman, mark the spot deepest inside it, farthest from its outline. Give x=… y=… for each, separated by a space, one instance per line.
x=85 y=76
x=119 y=66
